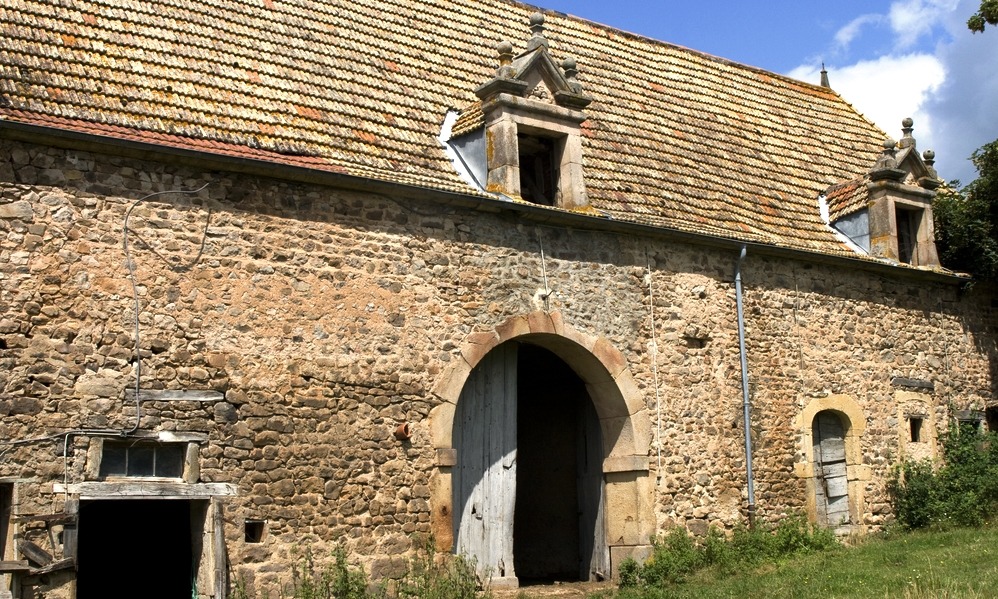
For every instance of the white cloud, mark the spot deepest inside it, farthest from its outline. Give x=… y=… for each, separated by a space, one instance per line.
x=845 y=35
x=912 y=19
x=949 y=85
x=886 y=90
x=965 y=108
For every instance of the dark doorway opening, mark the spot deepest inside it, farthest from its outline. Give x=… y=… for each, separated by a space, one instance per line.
x=538 y=169
x=991 y=416
x=137 y=548
x=558 y=522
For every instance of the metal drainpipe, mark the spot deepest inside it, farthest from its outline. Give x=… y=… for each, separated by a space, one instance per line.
x=745 y=388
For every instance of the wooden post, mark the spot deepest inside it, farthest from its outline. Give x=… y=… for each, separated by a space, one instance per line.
x=218 y=549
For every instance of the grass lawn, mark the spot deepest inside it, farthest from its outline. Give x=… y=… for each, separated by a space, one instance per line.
x=920 y=565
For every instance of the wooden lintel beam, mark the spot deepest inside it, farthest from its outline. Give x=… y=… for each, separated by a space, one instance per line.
x=150 y=489
x=175 y=395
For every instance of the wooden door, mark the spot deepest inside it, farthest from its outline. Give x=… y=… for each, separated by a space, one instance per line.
x=594 y=559
x=831 y=481
x=484 y=479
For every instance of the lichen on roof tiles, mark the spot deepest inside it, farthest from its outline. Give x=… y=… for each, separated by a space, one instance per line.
x=675 y=138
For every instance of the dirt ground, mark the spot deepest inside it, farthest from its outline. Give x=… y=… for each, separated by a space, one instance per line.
x=559 y=590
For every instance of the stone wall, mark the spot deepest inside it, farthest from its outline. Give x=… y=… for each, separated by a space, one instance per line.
x=325 y=317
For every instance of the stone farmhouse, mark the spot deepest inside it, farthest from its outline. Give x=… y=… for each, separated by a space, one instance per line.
x=287 y=274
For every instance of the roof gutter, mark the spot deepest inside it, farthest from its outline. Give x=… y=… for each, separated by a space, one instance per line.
x=475 y=201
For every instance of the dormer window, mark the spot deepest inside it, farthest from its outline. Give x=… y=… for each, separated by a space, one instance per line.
x=888 y=213
x=538 y=168
x=907 y=221
x=531 y=117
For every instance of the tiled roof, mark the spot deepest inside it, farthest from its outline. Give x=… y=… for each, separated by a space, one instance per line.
x=845 y=198
x=470 y=119
x=675 y=138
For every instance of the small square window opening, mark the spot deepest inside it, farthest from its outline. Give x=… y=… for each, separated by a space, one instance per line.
x=254 y=530
x=970 y=425
x=991 y=415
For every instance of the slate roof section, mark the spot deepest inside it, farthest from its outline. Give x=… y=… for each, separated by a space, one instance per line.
x=675 y=138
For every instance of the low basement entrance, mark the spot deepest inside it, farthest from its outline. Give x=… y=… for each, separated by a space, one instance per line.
x=528 y=484
x=139 y=547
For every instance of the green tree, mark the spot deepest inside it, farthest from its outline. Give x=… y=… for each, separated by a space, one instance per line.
x=987 y=14
x=966 y=221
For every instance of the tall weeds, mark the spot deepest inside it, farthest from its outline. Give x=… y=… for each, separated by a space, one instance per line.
x=678 y=555
x=428 y=576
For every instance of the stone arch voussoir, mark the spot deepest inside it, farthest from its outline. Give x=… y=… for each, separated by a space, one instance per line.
x=618 y=401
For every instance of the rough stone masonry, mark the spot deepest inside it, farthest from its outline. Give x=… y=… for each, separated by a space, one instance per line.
x=324 y=317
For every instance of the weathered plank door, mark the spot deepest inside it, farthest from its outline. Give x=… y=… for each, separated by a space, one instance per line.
x=594 y=559
x=831 y=482
x=484 y=479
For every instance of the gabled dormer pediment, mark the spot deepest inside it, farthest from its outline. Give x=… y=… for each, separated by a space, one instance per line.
x=920 y=170
x=532 y=113
x=535 y=75
x=545 y=81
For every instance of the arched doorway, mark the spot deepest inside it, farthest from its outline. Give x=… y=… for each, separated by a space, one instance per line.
x=528 y=484
x=831 y=462
x=491 y=359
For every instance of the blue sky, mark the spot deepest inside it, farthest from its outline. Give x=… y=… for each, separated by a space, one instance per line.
x=889 y=58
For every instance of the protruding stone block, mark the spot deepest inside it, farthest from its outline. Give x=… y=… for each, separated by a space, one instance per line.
x=448 y=386
x=512 y=328
x=477 y=346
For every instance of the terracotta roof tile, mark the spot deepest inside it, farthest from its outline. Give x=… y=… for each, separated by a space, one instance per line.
x=846 y=198
x=675 y=138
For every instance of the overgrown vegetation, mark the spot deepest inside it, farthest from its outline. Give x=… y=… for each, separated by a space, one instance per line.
x=962 y=491
x=677 y=556
x=426 y=578
x=938 y=548
x=429 y=578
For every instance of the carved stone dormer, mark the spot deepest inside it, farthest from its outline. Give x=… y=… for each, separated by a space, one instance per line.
x=901 y=187
x=533 y=115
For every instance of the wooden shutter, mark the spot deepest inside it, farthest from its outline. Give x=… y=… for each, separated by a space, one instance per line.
x=484 y=480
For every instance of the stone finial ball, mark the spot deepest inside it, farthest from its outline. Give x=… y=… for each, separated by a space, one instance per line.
x=568 y=64
x=907 y=122
x=504 y=48
x=889 y=144
x=536 y=19
x=929 y=155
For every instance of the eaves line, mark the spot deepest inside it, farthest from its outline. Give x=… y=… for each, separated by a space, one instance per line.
x=204 y=160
